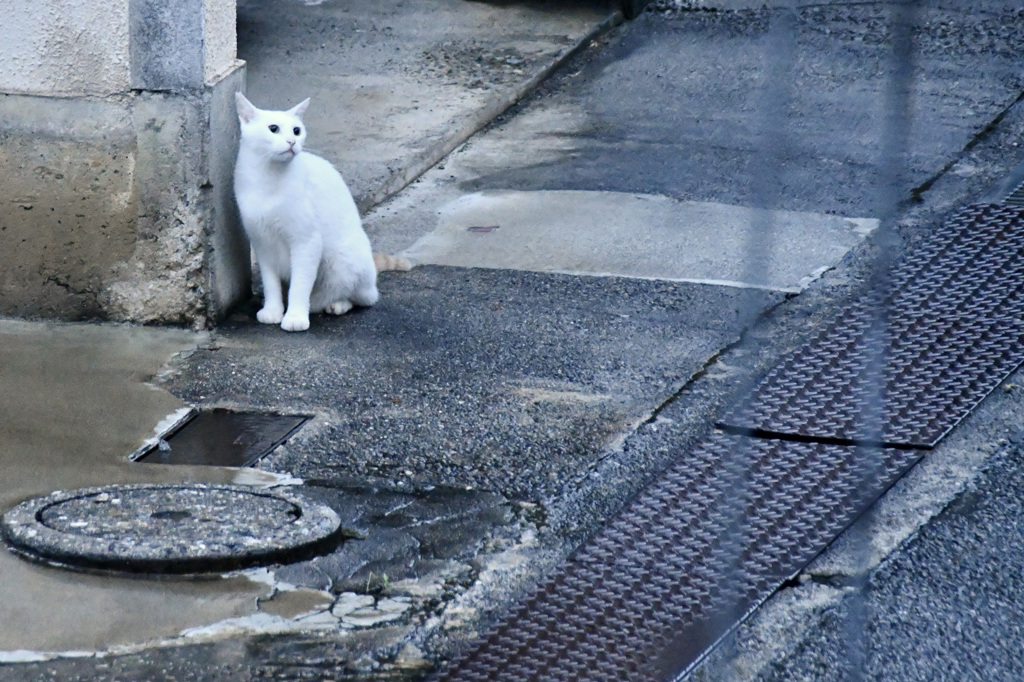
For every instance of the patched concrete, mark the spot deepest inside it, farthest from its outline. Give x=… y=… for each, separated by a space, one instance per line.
x=636 y=235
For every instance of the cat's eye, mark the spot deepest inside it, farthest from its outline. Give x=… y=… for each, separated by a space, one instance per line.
x=297 y=130
x=274 y=128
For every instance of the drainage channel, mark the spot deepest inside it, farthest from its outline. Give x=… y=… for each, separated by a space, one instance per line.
x=737 y=516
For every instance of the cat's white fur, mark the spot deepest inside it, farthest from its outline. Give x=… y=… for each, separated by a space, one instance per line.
x=301 y=221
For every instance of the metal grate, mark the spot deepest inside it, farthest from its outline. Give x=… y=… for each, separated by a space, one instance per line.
x=645 y=597
x=955 y=331
x=220 y=437
x=1016 y=197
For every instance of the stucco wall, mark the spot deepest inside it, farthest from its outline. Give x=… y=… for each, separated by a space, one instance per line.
x=121 y=208
x=64 y=47
x=78 y=47
x=117 y=140
x=221 y=41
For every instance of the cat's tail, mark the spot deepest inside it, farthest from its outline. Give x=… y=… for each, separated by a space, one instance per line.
x=384 y=261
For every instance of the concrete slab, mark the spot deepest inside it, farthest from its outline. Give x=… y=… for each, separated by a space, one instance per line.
x=395 y=85
x=637 y=235
x=671 y=105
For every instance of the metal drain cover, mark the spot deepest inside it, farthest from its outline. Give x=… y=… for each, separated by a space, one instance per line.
x=220 y=437
x=168 y=528
x=674 y=570
x=955 y=331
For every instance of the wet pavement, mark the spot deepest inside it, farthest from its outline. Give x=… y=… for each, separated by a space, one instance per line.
x=466 y=64
x=491 y=412
x=516 y=384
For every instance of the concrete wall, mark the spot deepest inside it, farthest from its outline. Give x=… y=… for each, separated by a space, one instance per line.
x=64 y=47
x=220 y=45
x=117 y=140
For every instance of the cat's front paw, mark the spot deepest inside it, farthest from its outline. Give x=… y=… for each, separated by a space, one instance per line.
x=295 y=322
x=268 y=315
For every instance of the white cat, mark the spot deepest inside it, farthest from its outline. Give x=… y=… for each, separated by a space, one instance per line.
x=301 y=220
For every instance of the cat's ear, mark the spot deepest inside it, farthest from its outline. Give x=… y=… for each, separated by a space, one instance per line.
x=299 y=108
x=246 y=111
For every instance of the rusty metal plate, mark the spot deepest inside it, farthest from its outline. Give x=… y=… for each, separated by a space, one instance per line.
x=712 y=538
x=907 y=370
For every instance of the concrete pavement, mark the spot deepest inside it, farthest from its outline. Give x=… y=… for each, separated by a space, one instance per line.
x=487 y=416
x=396 y=86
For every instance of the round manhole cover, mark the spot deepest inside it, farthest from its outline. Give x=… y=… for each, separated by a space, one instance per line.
x=169 y=528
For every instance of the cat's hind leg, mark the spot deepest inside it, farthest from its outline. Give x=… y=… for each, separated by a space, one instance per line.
x=366 y=293
x=339 y=307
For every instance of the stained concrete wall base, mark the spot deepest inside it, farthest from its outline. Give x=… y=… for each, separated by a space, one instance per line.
x=110 y=206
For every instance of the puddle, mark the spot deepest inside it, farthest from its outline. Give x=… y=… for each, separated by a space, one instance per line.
x=296 y=603
x=60 y=611
x=75 y=402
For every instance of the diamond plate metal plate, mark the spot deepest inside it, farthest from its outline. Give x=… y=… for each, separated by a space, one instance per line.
x=714 y=536
x=1016 y=197
x=951 y=332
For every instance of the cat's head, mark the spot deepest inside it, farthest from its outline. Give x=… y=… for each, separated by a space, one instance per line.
x=275 y=135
